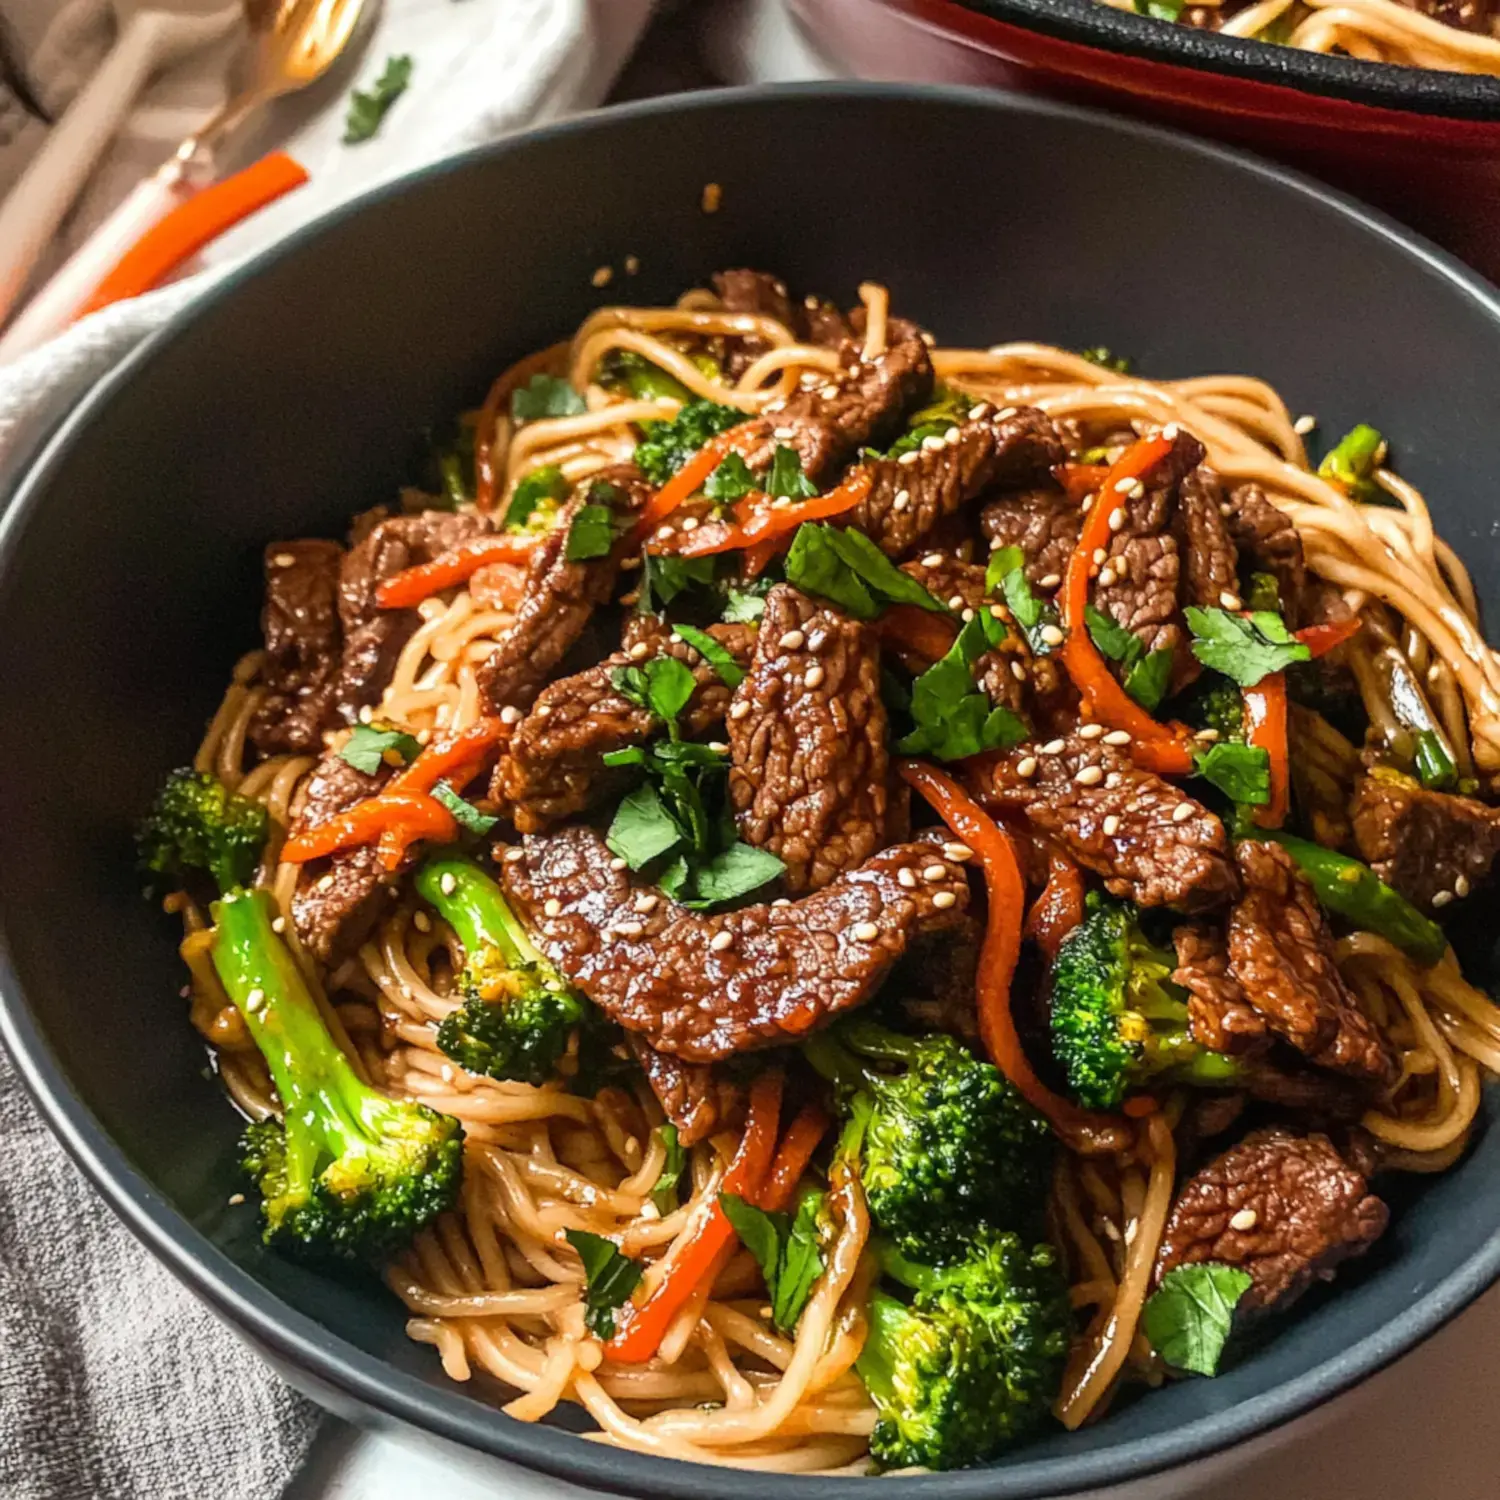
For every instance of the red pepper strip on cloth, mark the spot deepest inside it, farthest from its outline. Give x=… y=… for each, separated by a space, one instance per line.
x=759 y=521
x=992 y=847
x=700 y=1254
x=404 y=810
x=1265 y=727
x=457 y=565
x=1155 y=746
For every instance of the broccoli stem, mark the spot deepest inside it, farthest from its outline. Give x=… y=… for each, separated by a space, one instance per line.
x=473 y=905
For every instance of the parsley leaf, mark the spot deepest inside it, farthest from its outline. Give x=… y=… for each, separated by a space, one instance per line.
x=786 y=479
x=642 y=828
x=542 y=488
x=731 y=673
x=610 y=1279
x=367 y=748
x=730 y=874
x=467 y=814
x=661 y=686
x=368 y=109
x=595 y=525
x=1006 y=573
x=847 y=568
x=786 y=1250
x=952 y=718
x=1097 y=354
x=1111 y=637
x=664 y=577
x=732 y=480
x=1241 y=772
x=1148 y=679
x=664 y=1194
x=545 y=396
x=1243 y=650
x=1189 y=1317
x=745 y=603
x=1352 y=462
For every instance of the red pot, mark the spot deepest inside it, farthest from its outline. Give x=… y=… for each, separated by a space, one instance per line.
x=1421 y=144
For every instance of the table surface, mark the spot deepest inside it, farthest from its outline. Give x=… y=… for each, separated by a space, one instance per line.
x=1427 y=1427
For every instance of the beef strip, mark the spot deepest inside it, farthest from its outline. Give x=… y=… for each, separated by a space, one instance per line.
x=1268 y=543
x=1018 y=447
x=1043 y=523
x=759 y=293
x=1305 y=1209
x=809 y=770
x=668 y=973
x=554 y=764
x=1222 y=1019
x=1122 y=826
x=1209 y=558
x=862 y=405
x=303 y=645
x=1281 y=952
x=559 y=597
x=338 y=900
x=693 y=1096
x=374 y=637
x=1423 y=843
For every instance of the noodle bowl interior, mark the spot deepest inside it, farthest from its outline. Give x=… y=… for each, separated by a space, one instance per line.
x=821 y=894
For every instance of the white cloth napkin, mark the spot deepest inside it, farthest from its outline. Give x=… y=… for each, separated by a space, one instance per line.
x=481 y=69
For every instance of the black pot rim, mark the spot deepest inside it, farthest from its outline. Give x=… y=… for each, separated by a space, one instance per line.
x=1090 y=23
x=305 y=1345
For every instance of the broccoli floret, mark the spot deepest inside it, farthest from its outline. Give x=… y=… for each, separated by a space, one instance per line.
x=196 y=827
x=351 y=1174
x=973 y=1362
x=944 y=1141
x=1118 y=1021
x=517 y=1014
x=666 y=446
x=1215 y=702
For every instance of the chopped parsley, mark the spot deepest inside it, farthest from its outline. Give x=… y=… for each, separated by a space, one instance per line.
x=1159 y=10
x=661 y=686
x=847 y=568
x=367 y=108
x=541 y=490
x=1146 y=674
x=731 y=673
x=1005 y=574
x=664 y=1194
x=786 y=1249
x=947 y=409
x=1191 y=1314
x=1241 y=772
x=745 y=603
x=596 y=525
x=664 y=577
x=1244 y=650
x=1097 y=354
x=609 y=1279
x=545 y=396
x=732 y=480
x=951 y=717
x=469 y=817
x=786 y=481
x=370 y=747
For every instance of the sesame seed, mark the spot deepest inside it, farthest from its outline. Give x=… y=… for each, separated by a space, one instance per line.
x=255 y=999
x=901 y=502
x=543 y=709
x=1090 y=731
x=1026 y=766
x=1117 y=737
x=909 y=458
x=1052 y=747
x=866 y=932
x=629 y=929
x=1106 y=577
x=1461 y=886
x=283 y=560
x=1113 y=779
x=781 y=901
x=906 y=878
x=1171 y=432
x=933 y=443
x=278 y=924
x=1137 y=490
x=1005 y=415
x=1442 y=898
x=814 y=677
x=933 y=560
x=664 y=532
x=739 y=710
x=1116 y=519
x=1182 y=812
x=958 y=853
x=1304 y=425
x=1111 y=826
x=951 y=435
x=422 y=922
x=1051 y=581
x=720 y=941
x=675 y=637
x=1099 y=556
x=1123 y=486
x=718 y=747
x=1086 y=504
x=998 y=611
x=1226 y=509
x=510 y=714
x=1434 y=673
x=1090 y=776
x=1018 y=671
x=551 y=907
x=512 y=856
x=783 y=432
x=829 y=392
x=966 y=616
x=366 y=714
x=1207 y=736
x=1052 y=635
x=792 y=641
x=690 y=523
x=980 y=412
x=617 y=864
x=235 y=1199
x=603 y=276
x=943 y=900
x=645 y=902
x=934 y=872
x=1228 y=600
x=956 y=601
x=1245 y=1219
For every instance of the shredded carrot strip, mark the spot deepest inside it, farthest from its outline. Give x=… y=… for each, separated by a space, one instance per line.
x=692 y=476
x=1321 y=639
x=457 y=565
x=1059 y=909
x=759 y=523
x=792 y=1156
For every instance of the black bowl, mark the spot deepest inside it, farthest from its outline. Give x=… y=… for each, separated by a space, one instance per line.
x=292 y=396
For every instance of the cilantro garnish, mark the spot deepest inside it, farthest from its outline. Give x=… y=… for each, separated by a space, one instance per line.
x=367 y=108
x=370 y=747
x=1191 y=1314
x=1244 y=650
x=545 y=396
x=785 y=1248
x=610 y=1278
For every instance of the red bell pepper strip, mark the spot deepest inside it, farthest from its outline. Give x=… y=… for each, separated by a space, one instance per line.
x=1079 y=480
x=456 y=760
x=1059 y=909
x=759 y=522
x=1265 y=727
x=917 y=631
x=457 y=565
x=642 y=1325
x=1156 y=746
x=1321 y=639
x=792 y=1156
x=392 y=820
x=1002 y=948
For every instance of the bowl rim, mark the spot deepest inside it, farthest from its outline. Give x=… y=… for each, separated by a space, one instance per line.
x=1427 y=92
x=291 y=1337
